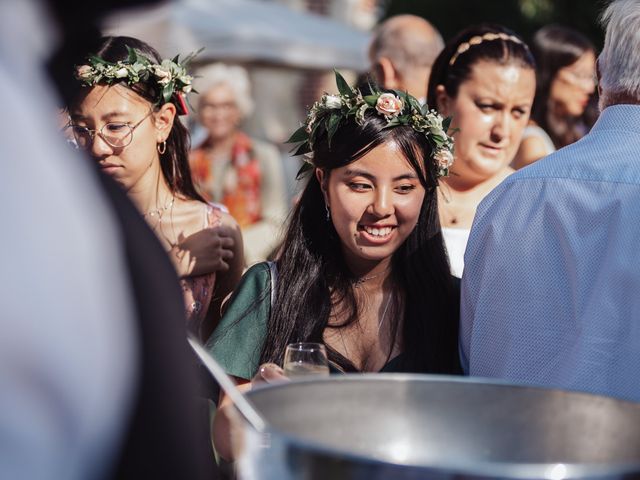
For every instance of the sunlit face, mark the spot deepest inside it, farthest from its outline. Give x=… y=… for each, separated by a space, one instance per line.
x=491 y=110
x=573 y=86
x=219 y=112
x=117 y=104
x=375 y=203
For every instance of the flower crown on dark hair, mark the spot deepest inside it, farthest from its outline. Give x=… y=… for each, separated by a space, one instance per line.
x=398 y=108
x=170 y=76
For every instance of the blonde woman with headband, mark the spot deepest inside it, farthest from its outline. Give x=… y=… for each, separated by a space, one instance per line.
x=485 y=79
x=229 y=167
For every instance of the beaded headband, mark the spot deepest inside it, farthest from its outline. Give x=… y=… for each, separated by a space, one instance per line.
x=478 y=39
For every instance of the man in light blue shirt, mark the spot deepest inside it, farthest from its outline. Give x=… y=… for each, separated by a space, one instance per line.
x=551 y=288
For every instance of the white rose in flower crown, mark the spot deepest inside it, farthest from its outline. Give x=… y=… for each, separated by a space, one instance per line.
x=389 y=105
x=435 y=120
x=121 y=73
x=332 y=101
x=444 y=158
x=435 y=130
x=162 y=74
x=186 y=88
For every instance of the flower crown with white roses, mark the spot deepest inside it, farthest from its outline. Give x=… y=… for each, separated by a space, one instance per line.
x=398 y=108
x=170 y=75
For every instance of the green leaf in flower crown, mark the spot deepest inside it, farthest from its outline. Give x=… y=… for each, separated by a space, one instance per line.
x=438 y=139
x=97 y=60
x=144 y=75
x=414 y=103
x=132 y=56
x=332 y=126
x=304 y=168
x=191 y=56
x=371 y=100
x=301 y=150
x=446 y=123
x=167 y=92
x=300 y=135
x=343 y=86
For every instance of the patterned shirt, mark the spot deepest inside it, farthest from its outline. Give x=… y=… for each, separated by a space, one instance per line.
x=551 y=287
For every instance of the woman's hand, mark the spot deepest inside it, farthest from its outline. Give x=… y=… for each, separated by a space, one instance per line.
x=223 y=421
x=206 y=251
x=269 y=373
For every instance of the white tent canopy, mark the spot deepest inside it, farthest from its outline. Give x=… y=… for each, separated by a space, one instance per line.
x=245 y=31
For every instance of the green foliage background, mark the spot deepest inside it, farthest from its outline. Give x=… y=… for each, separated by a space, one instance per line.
x=522 y=16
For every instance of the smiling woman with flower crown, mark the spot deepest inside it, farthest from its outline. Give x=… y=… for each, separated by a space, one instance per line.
x=363 y=268
x=124 y=116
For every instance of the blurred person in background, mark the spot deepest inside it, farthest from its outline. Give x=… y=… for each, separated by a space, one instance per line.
x=92 y=359
x=566 y=68
x=485 y=80
x=549 y=295
x=242 y=173
x=402 y=53
x=128 y=124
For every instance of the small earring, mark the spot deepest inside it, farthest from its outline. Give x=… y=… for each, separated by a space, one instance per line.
x=326 y=207
x=162 y=147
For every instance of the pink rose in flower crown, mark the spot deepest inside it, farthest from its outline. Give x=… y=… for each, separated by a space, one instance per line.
x=443 y=158
x=389 y=105
x=84 y=72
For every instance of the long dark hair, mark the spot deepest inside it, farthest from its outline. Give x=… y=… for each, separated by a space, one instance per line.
x=174 y=162
x=555 y=47
x=313 y=276
x=452 y=68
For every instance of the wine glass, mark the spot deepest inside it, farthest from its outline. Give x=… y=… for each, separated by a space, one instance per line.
x=305 y=359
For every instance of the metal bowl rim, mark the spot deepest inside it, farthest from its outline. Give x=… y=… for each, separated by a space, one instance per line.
x=484 y=469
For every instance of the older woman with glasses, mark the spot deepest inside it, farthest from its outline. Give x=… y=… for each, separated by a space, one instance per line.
x=243 y=173
x=125 y=116
x=566 y=69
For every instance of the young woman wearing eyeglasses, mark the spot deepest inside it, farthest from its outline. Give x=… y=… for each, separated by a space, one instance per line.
x=125 y=116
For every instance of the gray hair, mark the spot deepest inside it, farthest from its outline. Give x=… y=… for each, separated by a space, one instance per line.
x=236 y=77
x=408 y=41
x=619 y=62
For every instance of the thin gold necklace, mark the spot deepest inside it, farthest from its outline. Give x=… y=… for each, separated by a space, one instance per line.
x=158 y=212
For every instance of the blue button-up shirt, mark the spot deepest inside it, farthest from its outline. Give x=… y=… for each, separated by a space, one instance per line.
x=551 y=287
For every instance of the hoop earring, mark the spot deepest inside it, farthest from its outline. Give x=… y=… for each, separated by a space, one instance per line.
x=162 y=147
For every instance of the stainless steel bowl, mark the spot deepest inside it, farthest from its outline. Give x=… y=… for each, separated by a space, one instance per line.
x=425 y=426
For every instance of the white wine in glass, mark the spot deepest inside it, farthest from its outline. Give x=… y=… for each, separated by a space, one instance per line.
x=305 y=359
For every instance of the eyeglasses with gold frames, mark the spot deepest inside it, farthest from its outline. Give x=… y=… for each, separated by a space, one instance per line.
x=115 y=134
